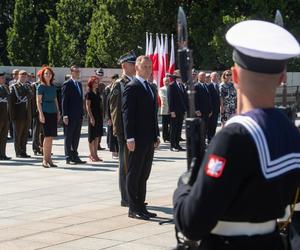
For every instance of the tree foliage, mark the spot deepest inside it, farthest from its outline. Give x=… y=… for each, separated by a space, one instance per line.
x=68 y=32
x=96 y=32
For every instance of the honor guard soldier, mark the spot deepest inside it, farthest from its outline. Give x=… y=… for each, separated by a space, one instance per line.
x=250 y=172
x=4 y=116
x=21 y=95
x=127 y=62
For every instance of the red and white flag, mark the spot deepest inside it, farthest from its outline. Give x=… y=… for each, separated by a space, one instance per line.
x=156 y=61
x=147 y=45
x=150 y=48
x=161 y=65
x=172 y=57
x=166 y=54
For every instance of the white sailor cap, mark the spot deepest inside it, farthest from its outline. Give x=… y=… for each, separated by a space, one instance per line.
x=261 y=46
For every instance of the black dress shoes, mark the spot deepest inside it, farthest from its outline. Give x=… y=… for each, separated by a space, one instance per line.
x=124 y=204
x=5 y=158
x=78 y=161
x=180 y=148
x=23 y=156
x=151 y=215
x=138 y=215
x=174 y=149
x=181 y=139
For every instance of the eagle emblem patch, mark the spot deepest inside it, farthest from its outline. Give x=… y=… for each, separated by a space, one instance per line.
x=215 y=166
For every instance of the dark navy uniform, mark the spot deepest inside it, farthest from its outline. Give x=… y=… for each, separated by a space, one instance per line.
x=247 y=178
x=4 y=119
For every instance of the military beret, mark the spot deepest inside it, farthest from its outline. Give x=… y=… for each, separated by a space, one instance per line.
x=261 y=46
x=99 y=72
x=129 y=57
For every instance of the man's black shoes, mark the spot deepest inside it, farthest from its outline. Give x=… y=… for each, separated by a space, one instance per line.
x=74 y=161
x=149 y=214
x=138 y=215
x=124 y=204
x=4 y=158
x=174 y=149
x=23 y=156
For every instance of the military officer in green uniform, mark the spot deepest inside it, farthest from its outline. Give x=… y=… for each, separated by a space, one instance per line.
x=4 y=116
x=20 y=98
x=127 y=62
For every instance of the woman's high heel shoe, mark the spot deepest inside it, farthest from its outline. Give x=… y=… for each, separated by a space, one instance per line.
x=45 y=165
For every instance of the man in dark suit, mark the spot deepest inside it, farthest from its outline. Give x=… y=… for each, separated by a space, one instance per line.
x=213 y=89
x=177 y=98
x=203 y=104
x=72 y=108
x=142 y=135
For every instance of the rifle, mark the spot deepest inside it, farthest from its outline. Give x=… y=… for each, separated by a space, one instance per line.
x=194 y=125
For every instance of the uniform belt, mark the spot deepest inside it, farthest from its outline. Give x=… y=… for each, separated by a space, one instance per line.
x=226 y=228
x=3 y=99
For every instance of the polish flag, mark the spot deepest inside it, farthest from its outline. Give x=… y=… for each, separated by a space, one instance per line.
x=147 y=45
x=156 y=61
x=166 y=54
x=161 y=65
x=172 y=57
x=150 y=48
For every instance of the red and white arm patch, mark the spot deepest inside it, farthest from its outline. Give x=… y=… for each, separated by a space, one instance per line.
x=215 y=166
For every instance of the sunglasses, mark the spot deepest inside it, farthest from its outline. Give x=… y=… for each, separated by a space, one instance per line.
x=228 y=75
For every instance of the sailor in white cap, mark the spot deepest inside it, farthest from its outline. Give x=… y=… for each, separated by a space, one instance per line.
x=251 y=169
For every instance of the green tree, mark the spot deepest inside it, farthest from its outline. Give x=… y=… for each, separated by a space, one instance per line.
x=68 y=32
x=27 y=42
x=6 y=19
x=20 y=48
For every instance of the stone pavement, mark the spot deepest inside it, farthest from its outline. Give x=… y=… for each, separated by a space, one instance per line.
x=78 y=206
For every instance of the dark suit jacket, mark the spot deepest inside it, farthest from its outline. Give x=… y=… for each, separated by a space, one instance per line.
x=177 y=99
x=202 y=99
x=72 y=101
x=140 y=113
x=215 y=98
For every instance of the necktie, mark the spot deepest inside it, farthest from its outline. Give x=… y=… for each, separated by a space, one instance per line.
x=148 y=88
x=78 y=88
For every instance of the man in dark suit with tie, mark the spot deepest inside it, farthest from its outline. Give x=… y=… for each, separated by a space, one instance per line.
x=213 y=89
x=177 y=98
x=142 y=135
x=72 y=108
x=203 y=104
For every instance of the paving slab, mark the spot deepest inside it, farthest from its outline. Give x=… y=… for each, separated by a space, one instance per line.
x=78 y=206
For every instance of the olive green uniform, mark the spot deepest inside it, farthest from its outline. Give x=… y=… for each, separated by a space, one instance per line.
x=4 y=118
x=21 y=113
x=115 y=106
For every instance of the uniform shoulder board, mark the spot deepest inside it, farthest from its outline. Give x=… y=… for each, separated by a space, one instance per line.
x=115 y=91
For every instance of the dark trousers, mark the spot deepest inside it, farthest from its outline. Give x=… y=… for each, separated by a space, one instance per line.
x=212 y=125
x=139 y=168
x=3 y=137
x=166 y=127
x=123 y=168
x=20 y=128
x=259 y=242
x=175 y=130
x=294 y=231
x=72 y=135
x=37 y=135
x=112 y=141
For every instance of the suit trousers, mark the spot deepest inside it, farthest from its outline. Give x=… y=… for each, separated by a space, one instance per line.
x=3 y=136
x=20 y=128
x=212 y=125
x=123 y=168
x=270 y=241
x=72 y=136
x=166 y=127
x=175 y=129
x=37 y=135
x=139 y=168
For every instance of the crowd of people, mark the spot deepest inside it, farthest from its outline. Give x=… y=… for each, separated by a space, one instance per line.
x=213 y=99
x=132 y=120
